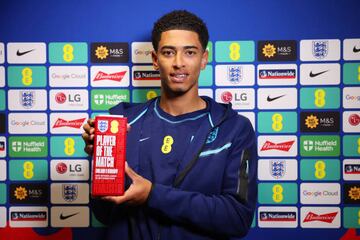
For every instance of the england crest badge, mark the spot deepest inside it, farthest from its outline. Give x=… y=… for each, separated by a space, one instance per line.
x=235 y=74
x=70 y=192
x=27 y=99
x=320 y=49
x=103 y=125
x=277 y=168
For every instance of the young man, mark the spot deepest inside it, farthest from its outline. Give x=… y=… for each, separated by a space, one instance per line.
x=191 y=162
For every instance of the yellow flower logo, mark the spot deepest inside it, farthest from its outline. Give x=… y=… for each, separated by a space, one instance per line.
x=269 y=50
x=312 y=121
x=20 y=193
x=354 y=193
x=101 y=52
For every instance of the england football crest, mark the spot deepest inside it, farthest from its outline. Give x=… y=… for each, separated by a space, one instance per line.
x=103 y=125
x=212 y=136
x=235 y=74
x=70 y=192
x=320 y=49
x=27 y=99
x=277 y=168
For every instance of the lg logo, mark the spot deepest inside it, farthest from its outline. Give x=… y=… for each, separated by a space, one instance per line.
x=62 y=168
x=61 y=98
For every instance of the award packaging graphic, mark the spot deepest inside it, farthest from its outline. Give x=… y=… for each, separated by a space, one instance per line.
x=108 y=171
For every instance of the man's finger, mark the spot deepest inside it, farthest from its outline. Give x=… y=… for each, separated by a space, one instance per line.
x=128 y=127
x=89 y=129
x=89 y=149
x=91 y=121
x=131 y=173
x=116 y=199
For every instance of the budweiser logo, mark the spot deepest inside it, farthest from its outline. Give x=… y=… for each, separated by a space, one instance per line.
x=77 y=123
x=328 y=217
x=112 y=76
x=285 y=146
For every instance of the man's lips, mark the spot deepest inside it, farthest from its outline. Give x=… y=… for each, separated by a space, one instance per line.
x=178 y=77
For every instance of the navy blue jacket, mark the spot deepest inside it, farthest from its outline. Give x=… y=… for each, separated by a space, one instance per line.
x=214 y=192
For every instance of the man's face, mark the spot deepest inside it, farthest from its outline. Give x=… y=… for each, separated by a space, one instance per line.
x=179 y=58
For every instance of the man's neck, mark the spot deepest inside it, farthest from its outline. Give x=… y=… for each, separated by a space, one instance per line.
x=183 y=104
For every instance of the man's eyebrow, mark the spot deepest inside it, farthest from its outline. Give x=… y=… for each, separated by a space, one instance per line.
x=174 y=48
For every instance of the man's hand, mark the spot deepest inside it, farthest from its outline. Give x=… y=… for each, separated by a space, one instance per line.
x=137 y=193
x=88 y=136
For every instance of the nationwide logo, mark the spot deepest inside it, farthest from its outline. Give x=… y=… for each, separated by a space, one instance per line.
x=109 y=52
x=284 y=146
x=277 y=168
x=320 y=49
x=235 y=74
x=311 y=121
x=28 y=216
x=352 y=169
x=266 y=216
x=277 y=74
x=146 y=75
x=354 y=119
x=28 y=193
x=27 y=99
x=117 y=77
x=277 y=50
x=226 y=97
x=101 y=52
x=327 y=217
x=76 y=123
x=2 y=146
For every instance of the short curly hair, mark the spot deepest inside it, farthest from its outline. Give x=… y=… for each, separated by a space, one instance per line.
x=180 y=20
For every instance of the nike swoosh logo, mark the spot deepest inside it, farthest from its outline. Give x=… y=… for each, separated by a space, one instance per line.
x=18 y=53
x=63 y=217
x=269 y=99
x=143 y=139
x=311 y=74
x=356 y=50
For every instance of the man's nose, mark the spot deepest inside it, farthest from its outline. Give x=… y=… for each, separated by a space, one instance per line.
x=178 y=61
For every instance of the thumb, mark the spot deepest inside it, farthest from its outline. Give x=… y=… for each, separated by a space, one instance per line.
x=131 y=173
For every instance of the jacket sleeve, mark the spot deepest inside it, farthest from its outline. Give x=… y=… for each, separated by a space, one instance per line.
x=229 y=213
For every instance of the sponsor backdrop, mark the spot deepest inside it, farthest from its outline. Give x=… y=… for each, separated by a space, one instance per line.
x=291 y=67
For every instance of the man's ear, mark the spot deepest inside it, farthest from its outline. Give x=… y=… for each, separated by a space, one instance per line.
x=204 y=59
x=155 y=60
